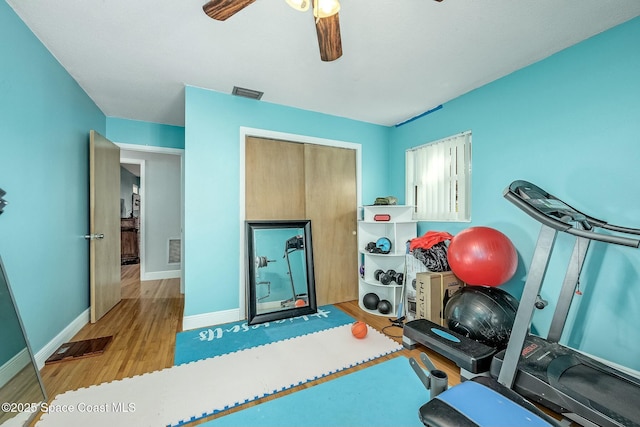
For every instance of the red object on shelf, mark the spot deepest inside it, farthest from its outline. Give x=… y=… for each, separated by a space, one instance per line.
x=382 y=217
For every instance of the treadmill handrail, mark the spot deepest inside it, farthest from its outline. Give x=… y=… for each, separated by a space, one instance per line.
x=620 y=229
x=557 y=224
x=607 y=238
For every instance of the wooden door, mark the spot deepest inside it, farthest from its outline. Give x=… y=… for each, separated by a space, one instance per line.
x=274 y=179
x=104 y=212
x=330 y=202
x=288 y=180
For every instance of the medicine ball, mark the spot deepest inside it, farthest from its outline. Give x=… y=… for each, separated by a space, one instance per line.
x=384 y=307
x=485 y=314
x=371 y=301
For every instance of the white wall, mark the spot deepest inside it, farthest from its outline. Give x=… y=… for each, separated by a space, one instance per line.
x=160 y=201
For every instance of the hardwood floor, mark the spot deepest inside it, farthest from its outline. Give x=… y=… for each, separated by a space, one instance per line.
x=144 y=326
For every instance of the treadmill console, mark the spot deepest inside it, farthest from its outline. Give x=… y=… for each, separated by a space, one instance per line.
x=543 y=202
x=553 y=212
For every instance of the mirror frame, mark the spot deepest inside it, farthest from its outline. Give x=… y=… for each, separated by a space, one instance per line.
x=25 y=416
x=253 y=317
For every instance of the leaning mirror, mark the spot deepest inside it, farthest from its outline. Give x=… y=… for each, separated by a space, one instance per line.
x=280 y=280
x=21 y=389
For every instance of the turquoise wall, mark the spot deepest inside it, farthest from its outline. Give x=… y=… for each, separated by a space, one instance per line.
x=212 y=182
x=569 y=124
x=44 y=155
x=144 y=133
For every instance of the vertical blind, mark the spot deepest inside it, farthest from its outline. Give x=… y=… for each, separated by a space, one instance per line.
x=438 y=179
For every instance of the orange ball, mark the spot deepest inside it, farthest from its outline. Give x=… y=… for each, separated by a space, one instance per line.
x=300 y=303
x=359 y=329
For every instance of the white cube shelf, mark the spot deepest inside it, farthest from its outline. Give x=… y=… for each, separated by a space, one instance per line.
x=399 y=229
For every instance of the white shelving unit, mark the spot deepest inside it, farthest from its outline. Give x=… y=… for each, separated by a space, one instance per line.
x=399 y=230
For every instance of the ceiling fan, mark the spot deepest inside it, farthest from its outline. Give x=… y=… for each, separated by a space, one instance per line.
x=325 y=14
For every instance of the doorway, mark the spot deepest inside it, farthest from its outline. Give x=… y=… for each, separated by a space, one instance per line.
x=157 y=209
x=131 y=172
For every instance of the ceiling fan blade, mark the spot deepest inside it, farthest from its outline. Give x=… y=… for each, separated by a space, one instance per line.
x=329 y=41
x=220 y=10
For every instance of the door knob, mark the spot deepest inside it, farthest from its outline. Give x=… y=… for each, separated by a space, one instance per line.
x=94 y=236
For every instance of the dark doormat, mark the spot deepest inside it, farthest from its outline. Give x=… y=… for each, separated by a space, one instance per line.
x=79 y=349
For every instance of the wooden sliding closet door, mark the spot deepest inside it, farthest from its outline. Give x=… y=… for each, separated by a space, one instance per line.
x=330 y=194
x=274 y=179
x=289 y=180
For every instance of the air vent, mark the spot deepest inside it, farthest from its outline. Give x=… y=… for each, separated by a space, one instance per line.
x=247 y=93
x=174 y=251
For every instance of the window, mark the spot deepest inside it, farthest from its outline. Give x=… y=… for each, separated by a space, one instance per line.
x=439 y=179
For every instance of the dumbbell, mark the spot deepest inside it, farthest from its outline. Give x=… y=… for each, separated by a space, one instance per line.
x=386 y=277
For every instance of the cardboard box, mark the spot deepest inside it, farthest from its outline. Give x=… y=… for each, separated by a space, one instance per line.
x=412 y=267
x=433 y=290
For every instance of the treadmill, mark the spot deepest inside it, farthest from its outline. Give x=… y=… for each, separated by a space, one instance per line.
x=541 y=369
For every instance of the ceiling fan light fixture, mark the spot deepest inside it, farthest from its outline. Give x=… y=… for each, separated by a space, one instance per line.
x=299 y=5
x=325 y=8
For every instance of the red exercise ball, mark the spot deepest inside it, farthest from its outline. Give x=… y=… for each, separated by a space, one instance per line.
x=482 y=256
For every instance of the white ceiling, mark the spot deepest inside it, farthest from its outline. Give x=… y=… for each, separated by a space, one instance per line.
x=401 y=57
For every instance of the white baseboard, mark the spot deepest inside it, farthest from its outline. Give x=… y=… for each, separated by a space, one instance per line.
x=210 y=319
x=64 y=336
x=14 y=365
x=159 y=275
